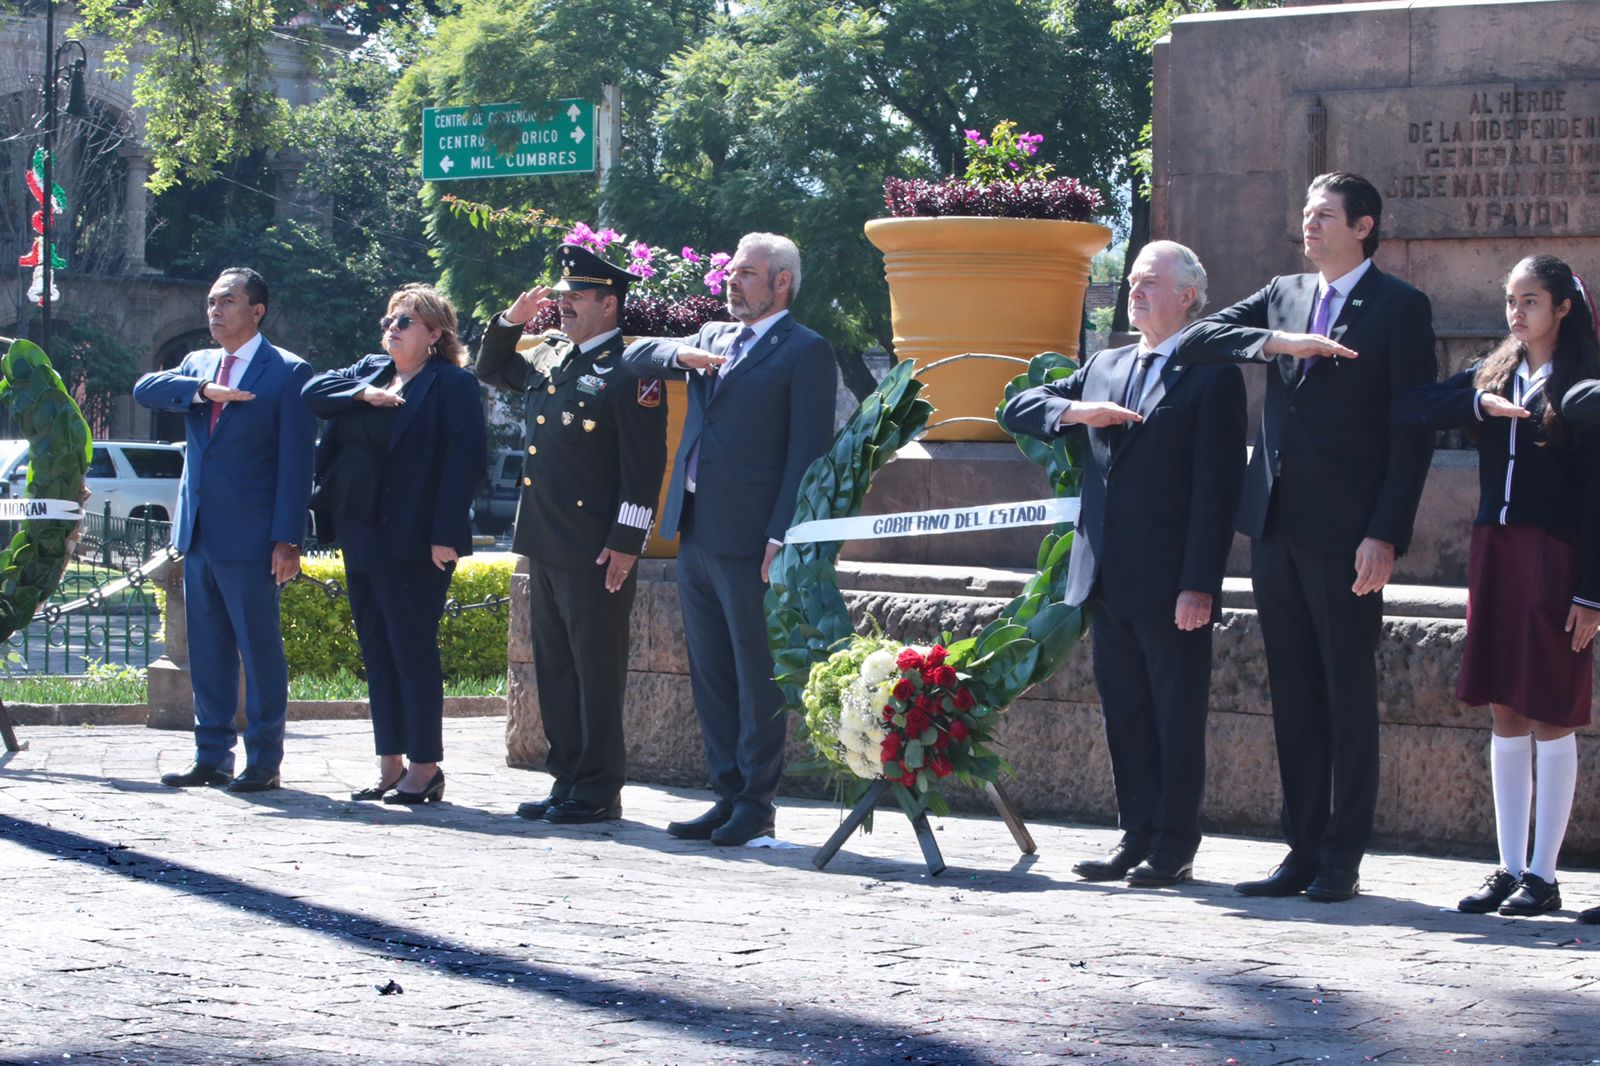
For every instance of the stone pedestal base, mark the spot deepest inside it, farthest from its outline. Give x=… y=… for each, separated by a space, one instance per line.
x=1434 y=792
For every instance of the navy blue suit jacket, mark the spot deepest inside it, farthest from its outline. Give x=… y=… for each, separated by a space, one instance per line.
x=1328 y=468
x=1159 y=496
x=416 y=492
x=771 y=416
x=246 y=485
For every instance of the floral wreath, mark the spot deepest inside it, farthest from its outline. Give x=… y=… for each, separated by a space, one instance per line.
x=911 y=715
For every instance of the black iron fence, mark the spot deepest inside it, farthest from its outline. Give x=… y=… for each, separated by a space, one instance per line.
x=105 y=611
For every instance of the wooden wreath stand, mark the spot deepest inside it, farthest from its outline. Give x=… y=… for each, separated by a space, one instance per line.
x=919 y=823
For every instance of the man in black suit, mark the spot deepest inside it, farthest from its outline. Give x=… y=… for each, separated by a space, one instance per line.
x=1161 y=477
x=1329 y=499
x=597 y=447
x=760 y=410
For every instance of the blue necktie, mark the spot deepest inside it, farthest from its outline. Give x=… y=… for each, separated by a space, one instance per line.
x=734 y=352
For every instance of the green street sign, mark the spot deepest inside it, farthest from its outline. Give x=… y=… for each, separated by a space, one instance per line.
x=465 y=142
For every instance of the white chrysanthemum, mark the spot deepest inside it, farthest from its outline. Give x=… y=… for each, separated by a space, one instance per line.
x=878 y=667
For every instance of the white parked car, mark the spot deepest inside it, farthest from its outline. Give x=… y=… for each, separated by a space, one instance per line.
x=138 y=478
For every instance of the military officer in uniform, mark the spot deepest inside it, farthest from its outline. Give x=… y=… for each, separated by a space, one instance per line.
x=596 y=441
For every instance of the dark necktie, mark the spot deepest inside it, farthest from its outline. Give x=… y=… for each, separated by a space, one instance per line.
x=746 y=335
x=1136 y=380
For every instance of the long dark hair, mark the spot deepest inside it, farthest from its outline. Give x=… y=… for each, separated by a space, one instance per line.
x=1577 y=353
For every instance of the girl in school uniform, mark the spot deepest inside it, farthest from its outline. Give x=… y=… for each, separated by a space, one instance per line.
x=1533 y=599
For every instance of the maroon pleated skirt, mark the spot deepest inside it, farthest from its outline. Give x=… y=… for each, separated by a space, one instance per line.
x=1518 y=652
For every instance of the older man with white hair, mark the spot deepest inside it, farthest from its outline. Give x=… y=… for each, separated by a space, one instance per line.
x=760 y=409
x=1162 y=476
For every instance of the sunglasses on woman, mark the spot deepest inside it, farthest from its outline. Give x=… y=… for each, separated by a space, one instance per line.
x=399 y=322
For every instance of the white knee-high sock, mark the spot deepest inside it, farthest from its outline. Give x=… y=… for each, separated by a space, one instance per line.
x=1511 y=767
x=1558 y=779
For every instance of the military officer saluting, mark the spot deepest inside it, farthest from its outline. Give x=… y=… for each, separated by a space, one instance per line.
x=596 y=441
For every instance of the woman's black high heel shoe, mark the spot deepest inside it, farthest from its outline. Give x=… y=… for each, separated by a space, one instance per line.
x=376 y=792
x=434 y=793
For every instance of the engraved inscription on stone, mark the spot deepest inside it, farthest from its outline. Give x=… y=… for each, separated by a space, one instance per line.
x=1495 y=160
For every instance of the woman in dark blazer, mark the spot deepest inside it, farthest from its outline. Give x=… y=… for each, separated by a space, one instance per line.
x=401 y=456
x=1533 y=594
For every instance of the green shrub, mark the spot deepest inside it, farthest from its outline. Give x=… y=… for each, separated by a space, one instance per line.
x=319 y=637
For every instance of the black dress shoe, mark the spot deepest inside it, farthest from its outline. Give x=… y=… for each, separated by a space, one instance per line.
x=1534 y=896
x=702 y=827
x=579 y=812
x=534 y=810
x=253 y=780
x=197 y=776
x=1495 y=890
x=1590 y=916
x=1115 y=866
x=1156 y=873
x=434 y=793
x=376 y=792
x=1288 y=879
x=748 y=821
x=1334 y=884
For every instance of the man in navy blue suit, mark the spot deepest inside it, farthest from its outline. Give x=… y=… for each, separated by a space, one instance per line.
x=241 y=517
x=760 y=409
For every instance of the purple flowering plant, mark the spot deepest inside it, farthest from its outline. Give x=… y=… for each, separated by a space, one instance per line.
x=679 y=291
x=1004 y=178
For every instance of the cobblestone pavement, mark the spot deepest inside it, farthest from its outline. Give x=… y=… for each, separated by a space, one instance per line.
x=148 y=925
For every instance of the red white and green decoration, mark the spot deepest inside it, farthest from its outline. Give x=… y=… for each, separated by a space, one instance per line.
x=884 y=715
x=35 y=257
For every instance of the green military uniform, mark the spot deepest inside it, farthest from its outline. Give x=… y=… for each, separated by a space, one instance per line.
x=596 y=450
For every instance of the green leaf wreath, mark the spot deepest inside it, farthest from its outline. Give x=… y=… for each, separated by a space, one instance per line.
x=59 y=450
x=929 y=724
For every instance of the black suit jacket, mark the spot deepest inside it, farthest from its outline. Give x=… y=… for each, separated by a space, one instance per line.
x=1158 y=496
x=404 y=476
x=758 y=431
x=1329 y=469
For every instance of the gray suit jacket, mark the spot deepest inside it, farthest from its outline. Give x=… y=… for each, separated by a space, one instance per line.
x=757 y=432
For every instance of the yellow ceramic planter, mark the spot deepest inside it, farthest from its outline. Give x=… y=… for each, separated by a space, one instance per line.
x=1006 y=286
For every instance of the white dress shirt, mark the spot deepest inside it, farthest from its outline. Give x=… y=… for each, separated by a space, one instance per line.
x=241 y=362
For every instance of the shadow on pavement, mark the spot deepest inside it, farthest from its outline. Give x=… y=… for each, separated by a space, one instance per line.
x=737 y=1026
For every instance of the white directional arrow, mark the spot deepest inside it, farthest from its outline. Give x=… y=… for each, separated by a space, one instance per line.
x=573 y=112
x=577 y=135
x=446 y=163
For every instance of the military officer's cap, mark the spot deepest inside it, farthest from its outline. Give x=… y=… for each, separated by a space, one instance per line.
x=582 y=269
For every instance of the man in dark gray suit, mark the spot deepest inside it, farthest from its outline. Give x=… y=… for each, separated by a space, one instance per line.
x=760 y=409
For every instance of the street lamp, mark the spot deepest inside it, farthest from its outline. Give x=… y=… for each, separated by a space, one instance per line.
x=78 y=107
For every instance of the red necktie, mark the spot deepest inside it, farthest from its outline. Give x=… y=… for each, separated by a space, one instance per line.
x=221 y=379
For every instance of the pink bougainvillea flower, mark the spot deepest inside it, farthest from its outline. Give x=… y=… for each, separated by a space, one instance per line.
x=690 y=255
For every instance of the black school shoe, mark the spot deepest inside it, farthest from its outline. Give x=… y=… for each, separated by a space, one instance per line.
x=1534 y=896
x=1495 y=890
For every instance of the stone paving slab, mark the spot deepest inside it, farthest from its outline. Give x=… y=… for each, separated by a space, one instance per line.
x=147 y=925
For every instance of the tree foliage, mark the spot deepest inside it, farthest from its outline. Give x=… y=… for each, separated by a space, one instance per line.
x=782 y=115
x=204 y=80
